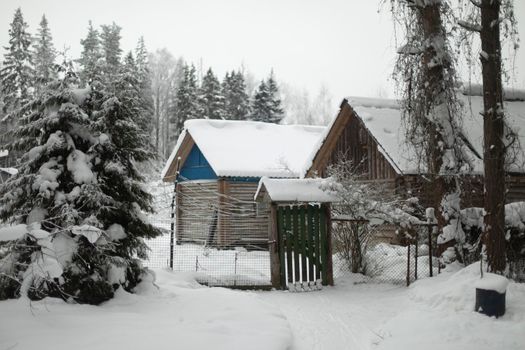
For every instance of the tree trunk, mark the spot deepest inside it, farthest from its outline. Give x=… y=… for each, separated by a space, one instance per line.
x=493 y=133
x=434 y=75
x=157 y=120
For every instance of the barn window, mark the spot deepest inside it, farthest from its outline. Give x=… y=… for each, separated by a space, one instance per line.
x=363 y=136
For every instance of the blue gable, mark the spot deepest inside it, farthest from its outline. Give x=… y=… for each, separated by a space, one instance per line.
x=196 y=167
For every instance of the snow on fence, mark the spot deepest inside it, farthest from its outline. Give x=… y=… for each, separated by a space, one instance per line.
x=384 y=261
x=238 y=265
x=249 y=266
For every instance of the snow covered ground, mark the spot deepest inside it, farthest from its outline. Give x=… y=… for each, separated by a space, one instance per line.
x=435 y=313
x=181 y=314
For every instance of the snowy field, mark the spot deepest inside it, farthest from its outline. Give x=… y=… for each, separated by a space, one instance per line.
x=435 y=313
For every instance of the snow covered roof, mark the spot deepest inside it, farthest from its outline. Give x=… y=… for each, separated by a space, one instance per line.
x=295 y=190
x=4 y=153
x=382 y=117
x=10 y=171
x=247 y=148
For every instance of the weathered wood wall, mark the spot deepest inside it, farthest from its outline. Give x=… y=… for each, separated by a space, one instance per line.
x=350 y=140
x=238 y=221
x=247 y=224
x=196 y=206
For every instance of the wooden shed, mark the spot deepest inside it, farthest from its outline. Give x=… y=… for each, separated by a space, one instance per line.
x=299 y=231
x=369 y=133
x=217 y=165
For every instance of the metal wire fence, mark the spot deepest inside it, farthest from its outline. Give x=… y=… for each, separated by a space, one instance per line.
x=382 y=253
x=233 y=265
x=221 y=239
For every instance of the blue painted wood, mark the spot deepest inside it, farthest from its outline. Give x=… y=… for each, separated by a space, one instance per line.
x=196 y=167
x=244 y=179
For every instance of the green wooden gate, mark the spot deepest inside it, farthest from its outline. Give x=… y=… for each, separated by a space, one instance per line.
x=304 y=246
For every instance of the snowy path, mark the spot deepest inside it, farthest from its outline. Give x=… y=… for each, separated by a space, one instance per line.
x=434 y=314
x=340 y=317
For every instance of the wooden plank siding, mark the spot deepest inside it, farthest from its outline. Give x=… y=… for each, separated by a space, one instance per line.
x=355 y=143
x=197 y=203
x=221 y=213
x=251 y=225
x=349 y=139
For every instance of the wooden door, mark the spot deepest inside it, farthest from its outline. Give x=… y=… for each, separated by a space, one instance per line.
x=304 y=247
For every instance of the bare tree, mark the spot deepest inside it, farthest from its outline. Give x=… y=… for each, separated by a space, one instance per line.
x=165 y=75
x=362 y=203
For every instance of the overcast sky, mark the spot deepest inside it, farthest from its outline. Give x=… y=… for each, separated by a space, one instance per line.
x=345 y=45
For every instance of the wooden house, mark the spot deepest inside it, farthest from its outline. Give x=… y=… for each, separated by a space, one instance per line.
x=217 y=165
x=369 y=133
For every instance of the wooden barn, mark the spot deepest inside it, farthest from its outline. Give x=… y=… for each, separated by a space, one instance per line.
x=369 y=133
x=217 y=165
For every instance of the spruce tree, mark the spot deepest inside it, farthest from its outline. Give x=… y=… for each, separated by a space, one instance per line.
x=261 y=105
x=90 y=58
x=77 y=197
x=53 y=194
x=17 y=73
x=130 y=93
x=186 y=99
x=45 y=55
x=144 y=80
x=277 y=113
x=110 y=41
x=211 y=100
x=236 y=100
x=266 y=104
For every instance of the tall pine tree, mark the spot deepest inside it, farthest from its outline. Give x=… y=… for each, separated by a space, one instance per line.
x=186 y=99
x=110 y=41
x=266 y=104
x=277 y=113
x=144 y=80
x=261 y=106
x=17 y=73
x=90 y=58
x=236 y=100
x=77 y=198
x=44 y=56
x=211 y=100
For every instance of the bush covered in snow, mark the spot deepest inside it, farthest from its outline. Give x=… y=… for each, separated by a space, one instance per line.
x=76 y=204
x=472 y=223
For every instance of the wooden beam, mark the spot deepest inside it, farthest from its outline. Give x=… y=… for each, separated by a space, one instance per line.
x=273 y=246
x=223 y=220
x=329 y=250
x=323 y=154
x=182 y=153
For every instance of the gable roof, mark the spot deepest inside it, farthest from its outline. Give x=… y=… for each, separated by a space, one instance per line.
x=295 y=190
x=382 y=119
x=246 y=148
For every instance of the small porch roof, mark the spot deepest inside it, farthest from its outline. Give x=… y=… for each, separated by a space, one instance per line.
x=314 y=190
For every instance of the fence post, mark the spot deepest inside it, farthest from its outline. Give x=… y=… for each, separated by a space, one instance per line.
x=274 y=242
x=329 y=252
x=429 y=226
x=172 y=226
x=416 y=254
x=408 y=263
